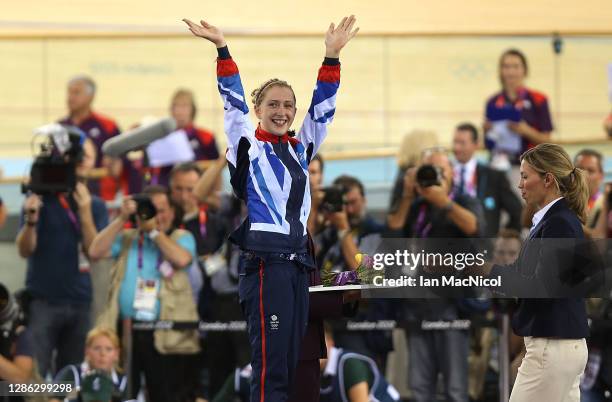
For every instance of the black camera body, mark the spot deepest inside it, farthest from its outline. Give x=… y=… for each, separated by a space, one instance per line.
x=333 y=200
x=145 y=209
x=429 y=175
x=54 y=169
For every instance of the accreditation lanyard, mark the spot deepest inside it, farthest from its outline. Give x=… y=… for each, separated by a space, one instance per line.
x=593 y=200
x=202 y=219
x=71 y=215
x=140 y=253
x=471 y=184
x=421 y=228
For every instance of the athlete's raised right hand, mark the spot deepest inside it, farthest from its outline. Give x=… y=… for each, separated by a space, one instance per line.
x=206 y=31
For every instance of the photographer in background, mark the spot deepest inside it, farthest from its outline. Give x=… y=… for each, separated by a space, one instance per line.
x=16 y=357
x=450 y=215
x=349 y=228
x=430 y=209
x=56 y=231
x=148 y=258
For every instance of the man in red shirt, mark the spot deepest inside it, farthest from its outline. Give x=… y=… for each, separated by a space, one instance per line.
x=99 y=128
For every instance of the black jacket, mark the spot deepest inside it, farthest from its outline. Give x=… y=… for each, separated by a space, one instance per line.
x=495 y=194
x=545 y=268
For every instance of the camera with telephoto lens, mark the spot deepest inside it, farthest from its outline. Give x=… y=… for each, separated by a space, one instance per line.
x=145 y=209
x=54 y=168
x=333 y=200
x=429 y=175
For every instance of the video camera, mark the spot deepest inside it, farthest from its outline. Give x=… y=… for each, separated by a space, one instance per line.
x=54 y=168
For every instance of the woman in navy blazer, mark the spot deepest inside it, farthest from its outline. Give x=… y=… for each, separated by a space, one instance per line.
x=554 y=329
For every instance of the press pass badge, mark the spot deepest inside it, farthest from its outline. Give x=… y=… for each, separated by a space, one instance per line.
x=84 y=265
x=145 y=298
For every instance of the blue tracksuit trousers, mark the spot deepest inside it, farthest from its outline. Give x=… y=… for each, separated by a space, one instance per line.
x=273 y=292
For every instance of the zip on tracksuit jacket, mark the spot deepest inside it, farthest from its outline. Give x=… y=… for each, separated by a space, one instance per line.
x=268 y=172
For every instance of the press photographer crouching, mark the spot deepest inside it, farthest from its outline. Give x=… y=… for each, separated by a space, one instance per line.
x=16 y=360
x=149 y=282
x=60 y=219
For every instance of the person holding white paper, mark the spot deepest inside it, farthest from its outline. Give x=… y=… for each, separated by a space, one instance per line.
x=516 y=118
x=187 y=143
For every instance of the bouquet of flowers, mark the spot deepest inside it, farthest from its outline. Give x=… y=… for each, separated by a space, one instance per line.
x=363 y=275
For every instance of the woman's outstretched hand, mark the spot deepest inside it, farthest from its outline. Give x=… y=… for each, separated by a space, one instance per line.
x=337 y=37
x=206 y=31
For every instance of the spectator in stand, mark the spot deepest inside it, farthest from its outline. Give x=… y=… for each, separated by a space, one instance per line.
x=98 y=128
x=183 y=110
x=526 y=112
x=56 y=232
x=488 y=185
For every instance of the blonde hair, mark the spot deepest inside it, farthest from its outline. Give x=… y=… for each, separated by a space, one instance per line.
x=183 y=93
x=102 y=331
x=258 y=93
x=413 y=143
x=570 y=181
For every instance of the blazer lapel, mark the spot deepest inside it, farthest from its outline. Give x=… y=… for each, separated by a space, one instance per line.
x=557 y=205
x=534 y=232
